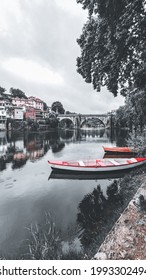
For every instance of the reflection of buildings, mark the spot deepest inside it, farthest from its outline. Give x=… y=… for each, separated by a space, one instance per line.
x=20 y=147
x=3 y=144
x=3 y=150
x=36 y=154
x=17 y=149
x=35 y=146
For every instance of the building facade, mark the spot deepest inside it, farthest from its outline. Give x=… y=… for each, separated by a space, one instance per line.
x=3 y=118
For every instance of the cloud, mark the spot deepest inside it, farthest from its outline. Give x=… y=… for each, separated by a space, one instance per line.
x=39 y=50
x=32 y=71
x=71 y=7
x=10 y=11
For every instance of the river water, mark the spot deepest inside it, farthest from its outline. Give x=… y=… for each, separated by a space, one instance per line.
x=28 y=191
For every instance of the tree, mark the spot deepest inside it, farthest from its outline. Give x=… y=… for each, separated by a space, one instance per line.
x=52 y=120
x=2 y=90
x=113 y=45
x=57 y=107
x=121 y=118
x=136 y=101
x=45 y=107
x=17 y=93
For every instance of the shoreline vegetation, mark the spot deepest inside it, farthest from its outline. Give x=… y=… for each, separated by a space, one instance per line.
x=32 y=125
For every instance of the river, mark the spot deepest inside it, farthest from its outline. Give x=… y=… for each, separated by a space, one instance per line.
x=28 y=191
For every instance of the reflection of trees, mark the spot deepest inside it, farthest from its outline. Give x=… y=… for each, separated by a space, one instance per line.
x=66 y=134
x=18 y=163
x=57 y=146
x=90 y=213
x=95 y=210
x=2 y=164
x=55 y=143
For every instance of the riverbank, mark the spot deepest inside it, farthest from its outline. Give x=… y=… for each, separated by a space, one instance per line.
x=127 y=238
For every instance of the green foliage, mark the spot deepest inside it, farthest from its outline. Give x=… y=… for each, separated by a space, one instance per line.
x=2 y=90
x=45 y=241
x=137 y=104
x=53 y=121
x=133 y=114
x=17 y=93
x=113 y=43
x=121 y=119
x=45 y=106
x=57 y=107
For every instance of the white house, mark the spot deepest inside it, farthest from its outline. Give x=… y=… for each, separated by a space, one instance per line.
x=36 y=103
x=18 y=113
x=2 y=118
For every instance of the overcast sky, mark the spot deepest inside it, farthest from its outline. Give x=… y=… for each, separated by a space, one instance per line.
x=38 y=52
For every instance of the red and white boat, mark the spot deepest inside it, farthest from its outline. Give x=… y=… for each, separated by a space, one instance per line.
x=119 y=150
x=97 y=165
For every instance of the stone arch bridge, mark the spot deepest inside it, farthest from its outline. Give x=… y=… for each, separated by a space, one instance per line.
x=78 y=120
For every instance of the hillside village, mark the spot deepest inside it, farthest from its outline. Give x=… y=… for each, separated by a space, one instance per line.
x=21 y=108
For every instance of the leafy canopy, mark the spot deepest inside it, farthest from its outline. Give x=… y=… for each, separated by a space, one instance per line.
x=113 y=45
x=57 y=107
x=2 y=90
x=17 y=93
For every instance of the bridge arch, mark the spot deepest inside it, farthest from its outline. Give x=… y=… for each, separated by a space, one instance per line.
x=92 y=122
x=77 y=120
x=66 y=123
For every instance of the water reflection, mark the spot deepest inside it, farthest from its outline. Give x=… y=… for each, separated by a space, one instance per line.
x=83 y=134
x=95 y=209
x=26 y=192
x=19 y=148
x=99 y=133
x=86 y=175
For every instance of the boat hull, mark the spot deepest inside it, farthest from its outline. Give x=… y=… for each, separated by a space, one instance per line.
x=113 y=165
x=119 y=151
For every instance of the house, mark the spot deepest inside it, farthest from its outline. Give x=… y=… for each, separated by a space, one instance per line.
x=18 y=113
x=29 y=102
x=39 y=114
x=30 y=113
x=46 y=114
x=36 y=102
x=19 y=102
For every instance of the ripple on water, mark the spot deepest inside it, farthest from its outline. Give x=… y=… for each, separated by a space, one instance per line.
x=1 y=181
x=8 y=186
x=8 y=178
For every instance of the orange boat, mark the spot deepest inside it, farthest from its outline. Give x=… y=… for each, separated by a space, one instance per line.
x=119 y=150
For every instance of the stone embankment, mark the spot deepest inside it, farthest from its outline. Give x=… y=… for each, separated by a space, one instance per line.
x=127 y=238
